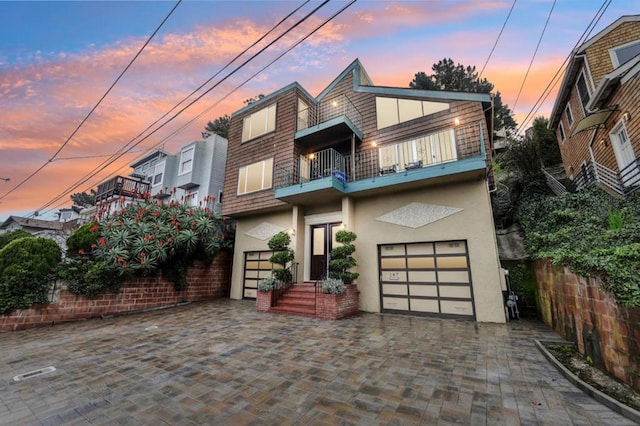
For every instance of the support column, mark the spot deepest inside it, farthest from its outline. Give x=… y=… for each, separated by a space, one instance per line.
x=348 y=213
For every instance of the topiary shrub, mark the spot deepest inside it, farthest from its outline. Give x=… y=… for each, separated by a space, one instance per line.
x=27 y=266
x=83 y=240
x=342 y=259
x=13 y=235
x=279 y=243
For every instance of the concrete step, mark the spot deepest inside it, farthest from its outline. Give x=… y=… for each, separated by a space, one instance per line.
x=294 y=310
x=292 y=301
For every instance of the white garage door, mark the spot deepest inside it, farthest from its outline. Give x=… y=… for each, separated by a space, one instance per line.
x=429 y=278
x=256 y=267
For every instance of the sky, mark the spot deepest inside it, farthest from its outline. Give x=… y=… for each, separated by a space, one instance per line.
x=58 y=59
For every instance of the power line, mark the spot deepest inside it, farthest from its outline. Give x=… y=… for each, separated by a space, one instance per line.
x=95 y=106
x=242 y=65
x=497 y=39
x=553 y=82
x=265 y=67
x=534 y=55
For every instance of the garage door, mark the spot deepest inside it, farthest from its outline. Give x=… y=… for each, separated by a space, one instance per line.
x=256 y=267
x=429 y=278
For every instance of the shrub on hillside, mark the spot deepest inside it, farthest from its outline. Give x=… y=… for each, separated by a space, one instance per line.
x=27 y=266
x=82 y=240
x=13 y=235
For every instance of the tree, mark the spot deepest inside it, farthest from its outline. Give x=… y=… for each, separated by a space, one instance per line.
x=219 y=126
x=458 y=78
x=545 y=140
x=83 y=199
x=253 y=99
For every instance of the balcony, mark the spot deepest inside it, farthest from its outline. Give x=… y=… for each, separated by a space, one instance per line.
x=446 y=156
x=330 y=121
x=621 y=183
x=121 y=186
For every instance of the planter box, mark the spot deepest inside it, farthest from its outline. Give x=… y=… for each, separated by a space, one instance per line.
x=332 y=307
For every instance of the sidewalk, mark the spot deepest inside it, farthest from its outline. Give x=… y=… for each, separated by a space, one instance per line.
x=222 y=363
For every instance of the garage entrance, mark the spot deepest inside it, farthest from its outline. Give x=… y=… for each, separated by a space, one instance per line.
x=426 y=278
x=256 y=268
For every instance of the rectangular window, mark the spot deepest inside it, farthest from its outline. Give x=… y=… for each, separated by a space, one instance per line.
x=303 y=115
x=561 y=130
x=426 y=150
x=255 y=177
x=157 y=173
x=186 y=160
x=390 y=111
x=569 y=115
x=259 y=123
x=583 y=91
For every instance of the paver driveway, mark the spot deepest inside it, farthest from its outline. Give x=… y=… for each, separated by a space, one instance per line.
x=222 y=363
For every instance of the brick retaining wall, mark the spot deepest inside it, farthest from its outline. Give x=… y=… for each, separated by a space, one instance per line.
x=204 y=283
x=581 y=312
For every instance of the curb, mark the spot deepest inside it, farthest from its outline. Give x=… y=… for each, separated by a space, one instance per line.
x=615 y=405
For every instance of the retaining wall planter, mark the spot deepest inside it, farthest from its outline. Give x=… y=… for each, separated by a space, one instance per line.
x=577 y=308
x=205 y=282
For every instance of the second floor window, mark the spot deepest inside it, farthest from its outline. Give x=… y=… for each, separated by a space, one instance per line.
x=186 y=160
x=569 y=115
x=259 y=123
x=583 y=92
x=157 y=174
x=390 y=111
x=622 y=54
x=561 y=131
x=255 y=177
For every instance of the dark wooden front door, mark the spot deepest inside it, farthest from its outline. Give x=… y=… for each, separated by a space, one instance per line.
x=322 y=241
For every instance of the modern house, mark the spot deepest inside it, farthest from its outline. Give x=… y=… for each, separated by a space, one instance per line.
x=407 y=170
x=596 y=114
x=194 y=176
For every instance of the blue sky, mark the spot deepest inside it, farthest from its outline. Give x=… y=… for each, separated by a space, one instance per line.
x=58 y=58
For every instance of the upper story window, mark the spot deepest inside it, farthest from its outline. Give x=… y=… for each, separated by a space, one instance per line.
x=430 y=149
x=158 y=171
x=390 y=111
x=583 y=91
x=259 y=123
x=186 y=160
x=621 y=54
x=255 y=177
x=569 y=115
x=561 y=131
x=303 y=115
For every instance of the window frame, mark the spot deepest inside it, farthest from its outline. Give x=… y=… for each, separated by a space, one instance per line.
x=270 y=119
x=404 y=110
x=183 y=160
x=615 y=61
x=569 y=114
x=583 y=102
x=267 y=165
x=156 y=174
x=563 y=135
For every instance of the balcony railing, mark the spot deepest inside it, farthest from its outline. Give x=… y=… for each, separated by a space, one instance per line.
x=329 y=109
x=630 y=176
x=121 y=187
x=466 y=142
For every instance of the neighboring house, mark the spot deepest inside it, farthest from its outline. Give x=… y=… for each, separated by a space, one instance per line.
x=406 y=170
x=52 y=229
x=69 y=213
x=194 y=176
x=596 y=115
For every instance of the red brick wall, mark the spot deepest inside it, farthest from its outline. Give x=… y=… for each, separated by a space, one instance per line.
x=263 y=300
x=331 y=307
x=581 y=312
x=205 y=282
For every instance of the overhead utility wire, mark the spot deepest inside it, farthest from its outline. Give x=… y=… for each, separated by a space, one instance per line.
x=96 y=105
x=497 y=39
x=534 y=56
x=263 y=68
x=107 y=163
x=551 y=84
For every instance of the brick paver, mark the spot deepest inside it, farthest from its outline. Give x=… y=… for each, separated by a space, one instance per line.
x=222 y=363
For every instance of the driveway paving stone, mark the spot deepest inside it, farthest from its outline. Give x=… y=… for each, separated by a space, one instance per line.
x=223 y=363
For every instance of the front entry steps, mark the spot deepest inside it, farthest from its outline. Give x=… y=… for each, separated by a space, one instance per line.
x=298 y=300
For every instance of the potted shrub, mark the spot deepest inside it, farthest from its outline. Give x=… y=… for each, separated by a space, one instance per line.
x=342 y=259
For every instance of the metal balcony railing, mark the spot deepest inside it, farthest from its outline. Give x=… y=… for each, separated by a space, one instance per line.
x=121 y=186
x=329 y=109
x=467 y=142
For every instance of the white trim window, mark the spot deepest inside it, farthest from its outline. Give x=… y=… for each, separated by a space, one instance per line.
x=259 y=123
x=623 y=53
x=255 y=177
x=158 y=173
x=391 y=111
x=569 y=115
x=561 y=131
x=186 y=160
x=583 y=91
x=423 y=151
x=191 y=199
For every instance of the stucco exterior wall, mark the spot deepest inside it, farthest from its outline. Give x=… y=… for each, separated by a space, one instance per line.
x=473 y=223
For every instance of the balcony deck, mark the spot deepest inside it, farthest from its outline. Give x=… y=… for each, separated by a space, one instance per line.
x=121 y=186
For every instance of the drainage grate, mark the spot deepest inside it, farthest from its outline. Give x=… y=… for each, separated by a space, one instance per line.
x=34 y=373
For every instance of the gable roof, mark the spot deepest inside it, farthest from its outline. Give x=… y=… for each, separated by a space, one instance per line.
x=32 y=223
x=575 y=66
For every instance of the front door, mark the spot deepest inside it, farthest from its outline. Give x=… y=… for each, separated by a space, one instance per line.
x=322 y=241
x=625 y=156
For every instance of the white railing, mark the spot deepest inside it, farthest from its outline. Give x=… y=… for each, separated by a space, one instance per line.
x=553 y=183
x=329 y=109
